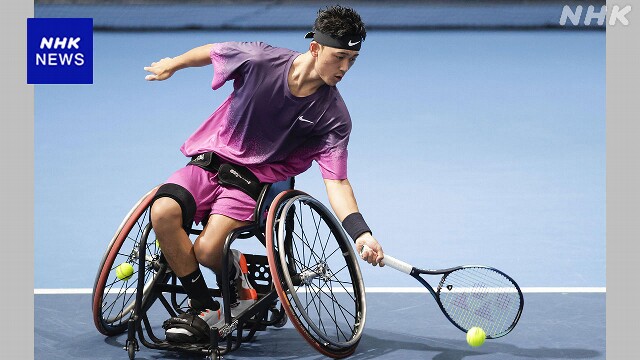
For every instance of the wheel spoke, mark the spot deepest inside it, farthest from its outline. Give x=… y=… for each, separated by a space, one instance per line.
x=114 y=299
x=315 y=249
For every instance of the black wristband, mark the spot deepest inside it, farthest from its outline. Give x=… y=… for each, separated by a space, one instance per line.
x=355 y=225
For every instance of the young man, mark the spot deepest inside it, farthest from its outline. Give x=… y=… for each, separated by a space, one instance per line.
x=284 y=112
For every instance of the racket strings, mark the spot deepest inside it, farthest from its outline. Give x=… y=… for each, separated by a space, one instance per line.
x=475 y=296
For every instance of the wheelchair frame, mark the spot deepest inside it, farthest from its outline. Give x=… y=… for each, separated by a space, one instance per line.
x=281 y=285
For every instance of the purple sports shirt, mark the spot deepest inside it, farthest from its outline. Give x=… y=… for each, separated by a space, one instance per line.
x=263 y=126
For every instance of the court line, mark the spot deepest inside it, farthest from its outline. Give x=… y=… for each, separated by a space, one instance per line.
x=371 y=290
x=524 y=290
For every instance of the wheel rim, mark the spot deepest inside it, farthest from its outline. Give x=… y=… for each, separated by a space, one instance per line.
x=322 y=285
x=114 y=299
x=118 y=298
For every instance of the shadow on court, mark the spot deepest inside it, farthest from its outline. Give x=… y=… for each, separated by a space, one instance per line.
x=287 y=344
x=381 y=343
x=553 y=326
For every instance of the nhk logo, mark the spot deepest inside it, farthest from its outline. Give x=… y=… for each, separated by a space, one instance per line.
x=616 y=15
x=59 y=51
x=54 y=58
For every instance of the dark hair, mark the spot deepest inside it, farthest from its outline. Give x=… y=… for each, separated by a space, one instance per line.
x=338 y=21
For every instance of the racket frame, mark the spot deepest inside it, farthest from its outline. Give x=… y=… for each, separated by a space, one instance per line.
x=416 y=272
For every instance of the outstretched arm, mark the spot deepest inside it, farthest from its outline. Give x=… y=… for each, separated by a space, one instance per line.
x=343 y=202
x=165 y=68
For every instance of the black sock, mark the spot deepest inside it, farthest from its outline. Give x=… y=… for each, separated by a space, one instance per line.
x=198 y=292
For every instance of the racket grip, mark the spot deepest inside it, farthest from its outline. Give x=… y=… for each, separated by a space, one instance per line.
x=389 y=260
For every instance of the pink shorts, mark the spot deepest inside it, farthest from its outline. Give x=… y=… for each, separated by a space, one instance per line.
x=211 y=197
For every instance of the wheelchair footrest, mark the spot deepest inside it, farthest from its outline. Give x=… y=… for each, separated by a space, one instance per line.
x=198 y=348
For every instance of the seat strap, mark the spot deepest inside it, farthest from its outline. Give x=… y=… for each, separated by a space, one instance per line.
x=229 y=174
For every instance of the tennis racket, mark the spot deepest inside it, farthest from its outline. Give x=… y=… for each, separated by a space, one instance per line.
x=471 y=295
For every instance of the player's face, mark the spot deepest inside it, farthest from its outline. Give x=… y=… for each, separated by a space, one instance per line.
x=332 y=63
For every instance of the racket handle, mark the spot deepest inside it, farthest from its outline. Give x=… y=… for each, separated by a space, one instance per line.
x=389 y=260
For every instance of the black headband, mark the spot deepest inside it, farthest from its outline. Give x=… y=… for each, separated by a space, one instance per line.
x=348 y=42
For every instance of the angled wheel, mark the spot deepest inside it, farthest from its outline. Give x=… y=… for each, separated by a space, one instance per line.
x=114 y=298
x=315 y=273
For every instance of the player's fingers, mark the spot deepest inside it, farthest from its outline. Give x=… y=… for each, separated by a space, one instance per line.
x=151 y=77
x=371 y=258
x=365 y=254
x=362 y=250
x=380 y=256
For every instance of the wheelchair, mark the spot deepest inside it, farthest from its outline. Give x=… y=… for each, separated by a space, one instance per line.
x=309 y=276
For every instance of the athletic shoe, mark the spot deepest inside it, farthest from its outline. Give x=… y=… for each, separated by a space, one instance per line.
x=191 y=326
x=241 y=295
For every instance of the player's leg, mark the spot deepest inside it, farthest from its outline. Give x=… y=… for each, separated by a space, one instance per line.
x=231 y=209
x=171 y=213
x=209 y=252
x=166 y=217
x=209 y=245
x=184 y=199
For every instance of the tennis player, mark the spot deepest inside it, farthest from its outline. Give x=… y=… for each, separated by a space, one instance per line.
x=285 y=111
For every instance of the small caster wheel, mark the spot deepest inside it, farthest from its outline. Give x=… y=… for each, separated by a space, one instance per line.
x=275 y=313
x=214 y=355
x=131 y=350
x=132 y=347
x=282 y=321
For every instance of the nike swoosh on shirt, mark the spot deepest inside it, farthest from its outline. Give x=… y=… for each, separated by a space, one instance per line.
x=196 y=279
x=305 y=120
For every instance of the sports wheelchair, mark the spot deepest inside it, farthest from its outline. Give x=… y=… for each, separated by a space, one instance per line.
x=309 y=275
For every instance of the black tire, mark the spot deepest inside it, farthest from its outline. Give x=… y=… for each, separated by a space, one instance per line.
x=315 y=273
x=283 y=318
x=131 y=350
x=114 y=299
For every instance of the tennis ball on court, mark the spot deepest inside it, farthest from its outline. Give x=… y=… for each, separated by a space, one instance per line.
x=476 y=336
x=124 y=271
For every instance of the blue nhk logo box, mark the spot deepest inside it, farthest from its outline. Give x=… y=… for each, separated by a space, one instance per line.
x=60 y=51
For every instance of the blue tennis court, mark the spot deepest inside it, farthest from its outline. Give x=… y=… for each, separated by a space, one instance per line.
x=483 y=147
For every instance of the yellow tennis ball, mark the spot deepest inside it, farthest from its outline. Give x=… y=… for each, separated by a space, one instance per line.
x=124 y=271
x=476 y=336
x=157 y=244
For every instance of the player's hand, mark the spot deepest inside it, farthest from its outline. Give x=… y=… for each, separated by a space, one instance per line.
x=160 y=70
x=373 y=254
